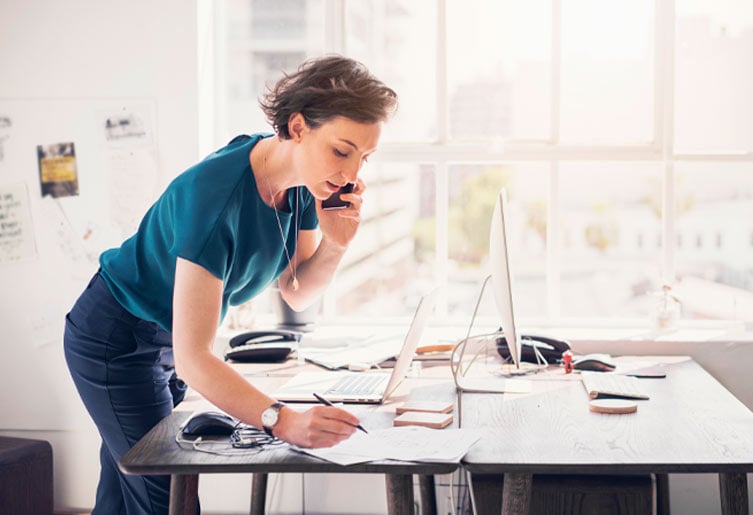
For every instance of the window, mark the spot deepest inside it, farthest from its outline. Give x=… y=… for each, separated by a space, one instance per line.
x=607 y=72
x=603 y=273
x=498 y=58
x=623 y=132
x=712 y=44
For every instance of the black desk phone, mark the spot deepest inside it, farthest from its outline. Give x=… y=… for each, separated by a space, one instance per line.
x=550 y=348
x=268 y=346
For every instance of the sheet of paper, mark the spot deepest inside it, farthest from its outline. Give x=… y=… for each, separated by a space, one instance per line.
x=57 y=229
x=131 y=161
x=494 y=385
x=5 y=131
x=343 y=351
x=46 y=324
x=408 y=443
x=133 y=173
x=16 y=230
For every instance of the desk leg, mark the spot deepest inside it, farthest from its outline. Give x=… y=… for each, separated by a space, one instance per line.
x=184 y=494
x=486 y=490
x=516 y=494
x=399 y=494
x=258 y=493
x=662 y=494
x=733 y=490
x=428 y=495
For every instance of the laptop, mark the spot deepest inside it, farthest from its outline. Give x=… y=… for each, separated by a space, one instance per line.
x=361 y=387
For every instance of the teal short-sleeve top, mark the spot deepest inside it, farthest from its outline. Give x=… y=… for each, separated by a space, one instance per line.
x=212 y=215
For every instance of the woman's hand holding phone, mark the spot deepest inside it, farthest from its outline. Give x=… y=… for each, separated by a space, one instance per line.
x=338 y=218
x=335 y=202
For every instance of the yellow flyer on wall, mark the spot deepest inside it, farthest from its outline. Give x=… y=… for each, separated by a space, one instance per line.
x=57 y=169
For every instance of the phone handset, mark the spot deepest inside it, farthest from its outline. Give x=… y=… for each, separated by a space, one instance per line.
x=265 y=336
x=335 y=202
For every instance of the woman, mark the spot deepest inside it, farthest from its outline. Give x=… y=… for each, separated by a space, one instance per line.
x=220 y=233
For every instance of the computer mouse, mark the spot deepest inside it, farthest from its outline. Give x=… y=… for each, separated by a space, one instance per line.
x=595 y=362
x=210 y=423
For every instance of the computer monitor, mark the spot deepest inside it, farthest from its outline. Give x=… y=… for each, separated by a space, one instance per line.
x=501 y=277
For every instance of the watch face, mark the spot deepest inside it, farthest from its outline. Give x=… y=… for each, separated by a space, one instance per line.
x=269 y=417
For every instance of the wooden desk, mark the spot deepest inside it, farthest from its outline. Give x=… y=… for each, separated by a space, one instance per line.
x=158 y=453
x=691 y=424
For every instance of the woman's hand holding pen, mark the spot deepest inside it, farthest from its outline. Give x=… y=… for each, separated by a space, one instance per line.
x=328 y=403
x=319 y=426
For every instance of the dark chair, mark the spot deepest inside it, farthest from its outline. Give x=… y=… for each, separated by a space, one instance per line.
x=25 y=476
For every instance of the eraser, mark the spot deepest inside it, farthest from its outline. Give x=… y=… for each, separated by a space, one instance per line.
x=416 y=418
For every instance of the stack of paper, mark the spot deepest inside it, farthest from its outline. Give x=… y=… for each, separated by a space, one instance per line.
x=407 y=443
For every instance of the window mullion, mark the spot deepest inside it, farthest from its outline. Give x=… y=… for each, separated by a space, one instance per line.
x=553 y=240
x=660 y=70
x=553 y=246
x=334 y=26
x=441 y=182
x=442 y=93
x=334 y=41
x=442 y=246
x=556 y=46
x=666 y=44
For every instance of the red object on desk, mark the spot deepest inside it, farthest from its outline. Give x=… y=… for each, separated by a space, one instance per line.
x=567 y=361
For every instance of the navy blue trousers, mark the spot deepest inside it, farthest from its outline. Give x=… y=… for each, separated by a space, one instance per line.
x=123 y=369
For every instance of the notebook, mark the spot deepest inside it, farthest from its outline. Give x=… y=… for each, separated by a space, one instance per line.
x=361 y=387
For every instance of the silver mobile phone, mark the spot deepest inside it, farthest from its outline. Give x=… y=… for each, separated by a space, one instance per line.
x=334 y=201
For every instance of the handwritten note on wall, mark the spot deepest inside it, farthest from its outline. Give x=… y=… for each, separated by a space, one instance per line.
x=16 y=230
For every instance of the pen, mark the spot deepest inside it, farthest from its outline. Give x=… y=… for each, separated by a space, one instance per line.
x=325 y=401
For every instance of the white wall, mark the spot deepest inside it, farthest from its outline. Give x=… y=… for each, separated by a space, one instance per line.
x=79 y=54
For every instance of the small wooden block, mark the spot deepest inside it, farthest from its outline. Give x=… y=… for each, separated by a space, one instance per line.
x=416 y=418
x=613 y=406
x=425 y=407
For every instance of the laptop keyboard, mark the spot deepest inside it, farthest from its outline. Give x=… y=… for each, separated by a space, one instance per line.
x=357 y=384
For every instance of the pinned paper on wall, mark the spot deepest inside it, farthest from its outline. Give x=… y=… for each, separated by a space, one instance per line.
x=131 y=160
x=58 y=176
x=5 y=124
x=55 y=229
x=128 y=124
x=133 y=176
x=16 y=230
x=46 y=324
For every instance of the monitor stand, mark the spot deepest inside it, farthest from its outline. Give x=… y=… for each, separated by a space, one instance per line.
x=506 y=369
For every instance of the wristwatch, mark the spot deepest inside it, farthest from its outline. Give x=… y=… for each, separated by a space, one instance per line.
x=270 y=417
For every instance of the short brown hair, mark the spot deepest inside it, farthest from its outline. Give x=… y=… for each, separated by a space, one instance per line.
x=324 y=88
